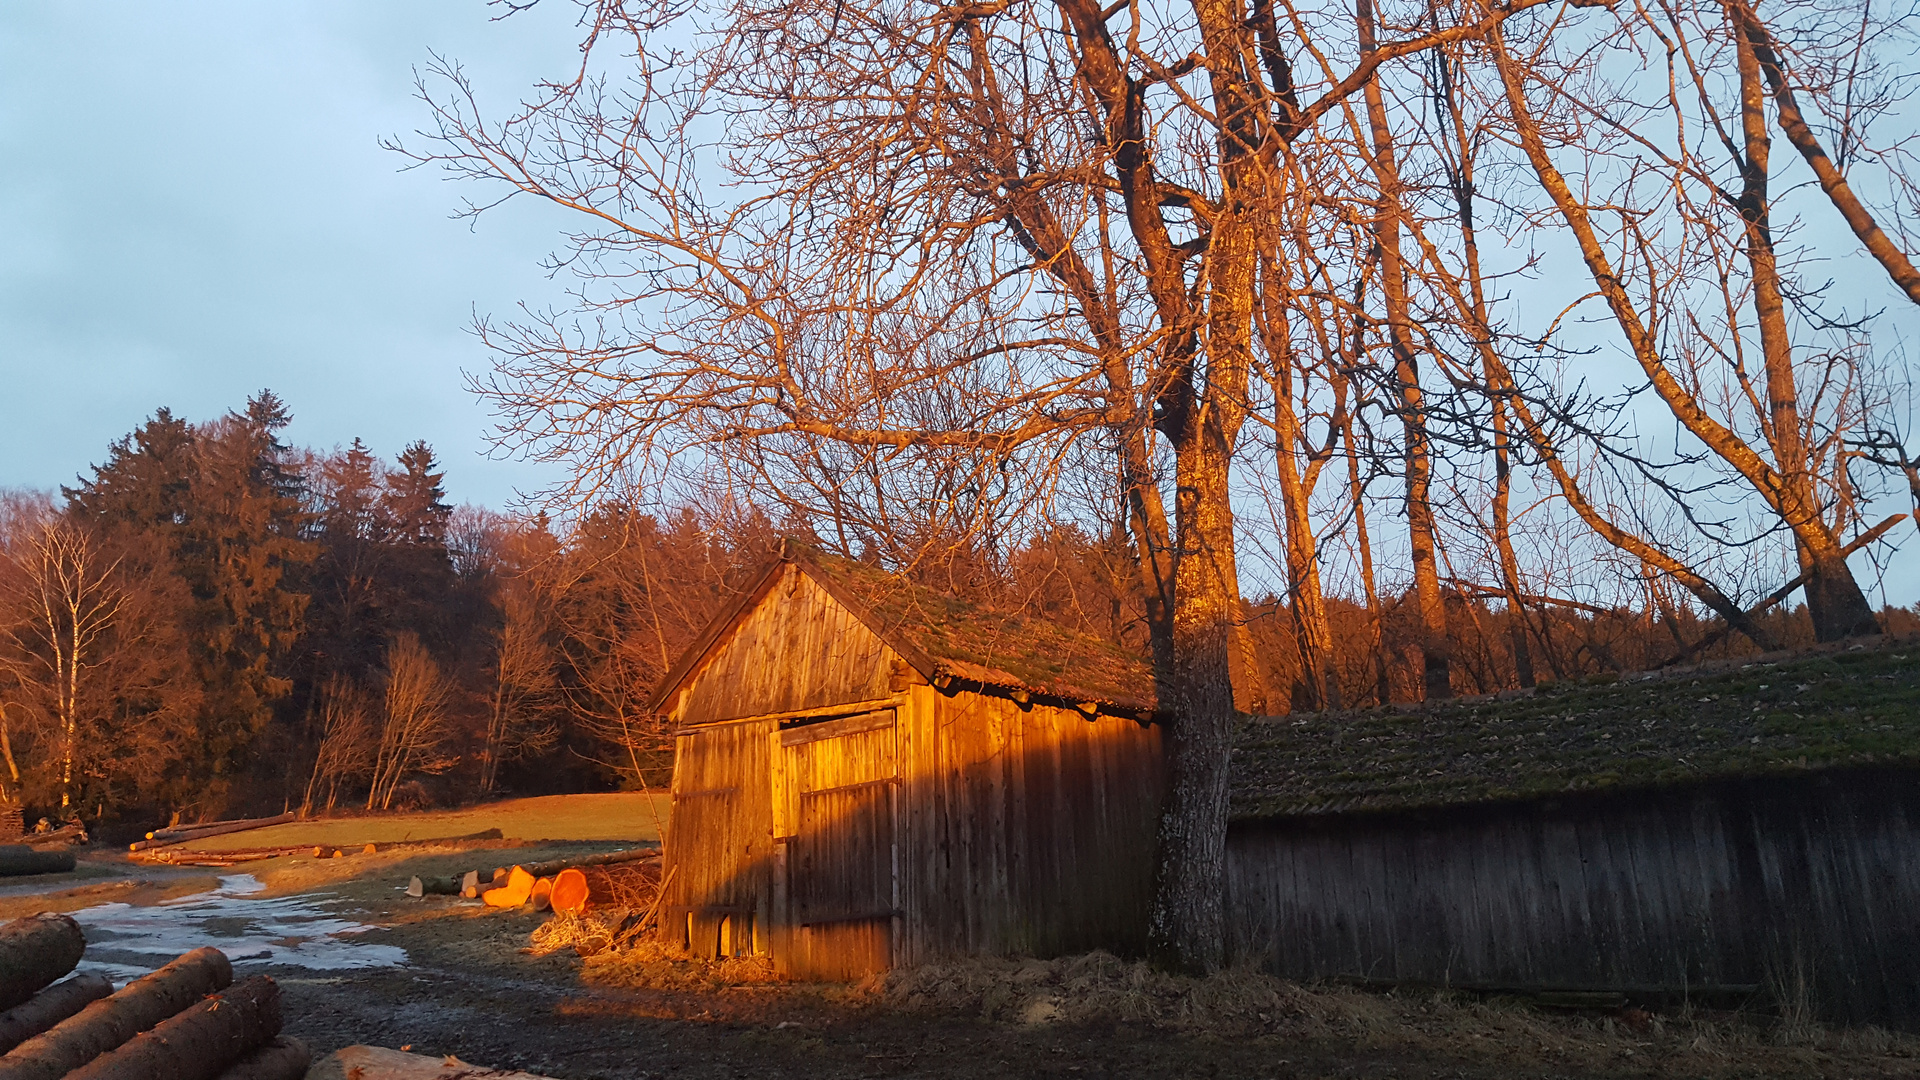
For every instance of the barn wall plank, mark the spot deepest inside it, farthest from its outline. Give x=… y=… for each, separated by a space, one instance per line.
x=1800 y=886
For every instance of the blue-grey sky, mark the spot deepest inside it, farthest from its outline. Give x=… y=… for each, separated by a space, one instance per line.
x=194 y=205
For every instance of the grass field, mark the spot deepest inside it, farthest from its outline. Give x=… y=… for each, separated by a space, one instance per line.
x=618 y=816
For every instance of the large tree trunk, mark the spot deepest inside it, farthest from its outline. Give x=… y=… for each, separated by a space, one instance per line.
x=1188 y=928
x=1187 y=931
x=1834 y=599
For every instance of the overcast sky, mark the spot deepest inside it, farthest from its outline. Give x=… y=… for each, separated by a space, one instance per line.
x=194 y=205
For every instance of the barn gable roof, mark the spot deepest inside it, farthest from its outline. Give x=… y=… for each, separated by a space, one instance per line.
x=1756 y=717
x=946 y=639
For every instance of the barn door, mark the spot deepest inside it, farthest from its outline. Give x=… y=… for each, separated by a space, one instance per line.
x=836 y=790
x=720 y=888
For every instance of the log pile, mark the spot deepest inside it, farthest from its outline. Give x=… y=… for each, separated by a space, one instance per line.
x=559 y=885
x=160 y=838
x=187 y=1021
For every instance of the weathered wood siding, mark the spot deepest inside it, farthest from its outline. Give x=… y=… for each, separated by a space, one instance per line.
x=835 y=786
x=1025 y=829
x=719 y=844
x=846 y=826
x=797 y=649
x=1804 y=888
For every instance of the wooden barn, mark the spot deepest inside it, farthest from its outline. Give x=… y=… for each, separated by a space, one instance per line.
x=868 y=774
x=1749 y=837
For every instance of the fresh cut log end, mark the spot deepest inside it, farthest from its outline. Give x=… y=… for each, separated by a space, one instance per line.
x=49 y=1007
x=542 y=894
x=569 y=895
x=111 y=1021
x=285 y=1058
x=517 y=891
x=35 y=951
x=200 y=1042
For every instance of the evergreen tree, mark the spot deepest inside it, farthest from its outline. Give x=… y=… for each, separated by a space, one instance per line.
x=244 y=536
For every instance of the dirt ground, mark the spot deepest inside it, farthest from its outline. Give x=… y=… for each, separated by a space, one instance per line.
x=471 y=984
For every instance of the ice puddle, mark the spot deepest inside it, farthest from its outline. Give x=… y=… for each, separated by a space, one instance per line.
x=125 y=942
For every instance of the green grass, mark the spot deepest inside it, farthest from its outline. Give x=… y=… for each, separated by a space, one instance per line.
x=1843 y=708
x=619 y=816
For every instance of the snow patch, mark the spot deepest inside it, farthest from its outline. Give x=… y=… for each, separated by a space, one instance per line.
x=125 y=942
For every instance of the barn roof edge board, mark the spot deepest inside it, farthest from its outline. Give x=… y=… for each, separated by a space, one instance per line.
x=948 y=641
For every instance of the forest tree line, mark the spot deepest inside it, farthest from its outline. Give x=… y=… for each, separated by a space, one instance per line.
x=216 y=622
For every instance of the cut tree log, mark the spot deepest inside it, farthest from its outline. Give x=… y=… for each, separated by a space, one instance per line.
x=285 y=1058
x=219 y=828
x=206 y=858
x=49 y=1007
x=34 y=952
x=569 y=896
x=554 y=866
x=518 y=890
x=199 y=1042
x=542 y=895
x=397 y=845
x=113 y=1020
x=18 y=859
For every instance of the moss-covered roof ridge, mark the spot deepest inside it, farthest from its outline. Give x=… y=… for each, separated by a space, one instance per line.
x=1856 y=705
x=974 y=643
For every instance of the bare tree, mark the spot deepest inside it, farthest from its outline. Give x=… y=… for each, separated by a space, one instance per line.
x=955 y=241
x=1771 y=430
x=523 y=686
x=349 y=740
x=65 y=596
x=417 y=722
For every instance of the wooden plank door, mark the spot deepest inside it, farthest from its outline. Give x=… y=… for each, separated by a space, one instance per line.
x=721 y=892
x=836 y=799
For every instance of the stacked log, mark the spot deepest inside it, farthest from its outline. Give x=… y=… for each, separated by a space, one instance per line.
x=34 y=952
x=48 y=1007
x=186 y=1021
x=198 y=1042
x=558 y=884
x=167 y=837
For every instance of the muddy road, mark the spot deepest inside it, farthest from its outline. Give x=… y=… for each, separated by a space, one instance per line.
x=359 y=962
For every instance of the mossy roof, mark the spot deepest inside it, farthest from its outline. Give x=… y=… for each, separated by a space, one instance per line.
x=975 y=643
x=1848 y=707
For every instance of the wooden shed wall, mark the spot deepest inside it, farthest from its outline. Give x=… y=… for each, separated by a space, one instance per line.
x=796 y=649
x=1027 y=829
x=719 y=843
x=1768 y=884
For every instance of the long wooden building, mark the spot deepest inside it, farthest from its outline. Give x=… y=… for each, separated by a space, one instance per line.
x=869 y=774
